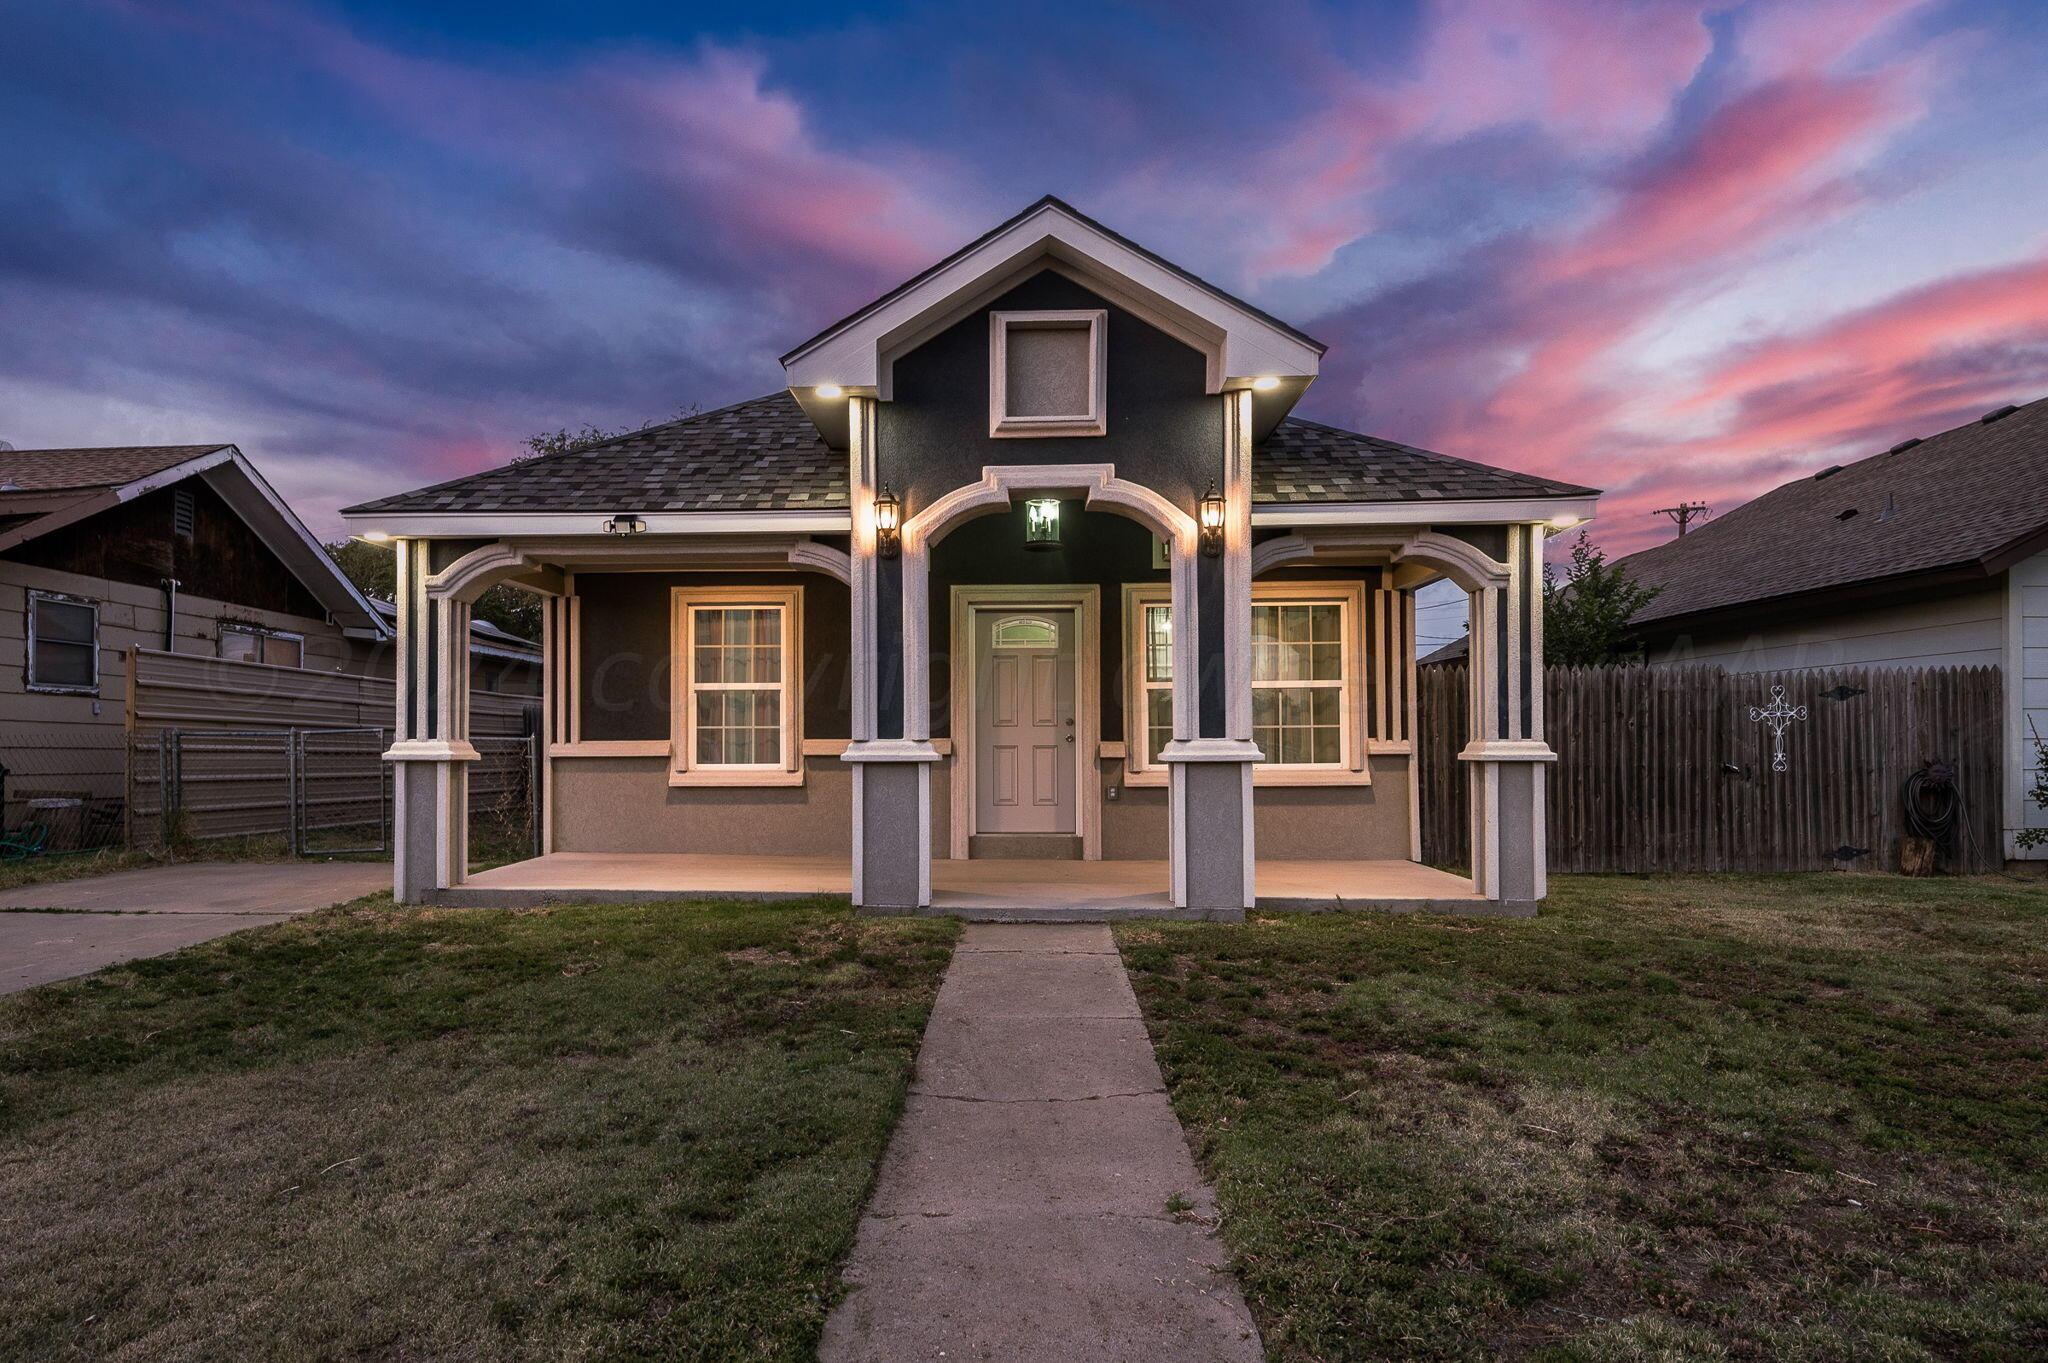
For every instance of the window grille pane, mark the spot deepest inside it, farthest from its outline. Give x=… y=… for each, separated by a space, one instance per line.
x=63 y=664
x=1159 y=643
x=283 y=652
x=64 y=622
x=238 y=645
x=1158 y=721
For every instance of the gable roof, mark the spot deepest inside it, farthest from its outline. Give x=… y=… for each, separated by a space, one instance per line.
x=79 y=470
x=764 y=455
x=1051 y=201
x=1960 y=505
x=45 y=490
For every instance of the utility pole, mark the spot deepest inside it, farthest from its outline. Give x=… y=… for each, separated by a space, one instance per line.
x=1684 y=514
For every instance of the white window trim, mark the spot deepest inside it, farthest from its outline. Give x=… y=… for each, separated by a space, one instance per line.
x=262 y=632
x=1094 y=421
x=1351 y=770
x=683 y=767
x=28 y=671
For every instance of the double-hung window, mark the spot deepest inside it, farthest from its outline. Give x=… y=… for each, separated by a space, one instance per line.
x=738 y=687
x=63 y=643
x=1307 y=670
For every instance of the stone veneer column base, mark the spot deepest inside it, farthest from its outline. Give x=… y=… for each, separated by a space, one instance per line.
x=1210 y=823
x=892 y=823
x=429 y=817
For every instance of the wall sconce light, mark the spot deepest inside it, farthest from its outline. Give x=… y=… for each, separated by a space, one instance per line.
x=1211 y=520
x=1042 y=523
x=888 y=524
x=625 y=523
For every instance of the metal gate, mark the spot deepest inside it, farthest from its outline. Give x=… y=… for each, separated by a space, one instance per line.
x=340 y=792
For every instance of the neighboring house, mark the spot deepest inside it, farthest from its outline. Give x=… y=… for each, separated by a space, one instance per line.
x=1931 y=554
x=104 y=552
x=1151 y=623
x=1456 y=651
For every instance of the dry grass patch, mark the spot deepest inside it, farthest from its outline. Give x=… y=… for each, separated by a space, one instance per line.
x=591 y=1132
x=1684 y=1118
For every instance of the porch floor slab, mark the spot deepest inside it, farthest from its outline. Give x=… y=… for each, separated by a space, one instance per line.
x=990 y=890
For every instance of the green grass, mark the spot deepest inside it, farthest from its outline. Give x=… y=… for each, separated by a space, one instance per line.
x=620 y=1132
x=1672 y=1118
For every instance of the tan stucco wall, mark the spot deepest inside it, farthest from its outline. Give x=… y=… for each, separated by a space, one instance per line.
x=625 y=804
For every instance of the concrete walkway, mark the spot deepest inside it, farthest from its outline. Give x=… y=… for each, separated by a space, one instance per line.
x=1021 y=1210
x=146 y=912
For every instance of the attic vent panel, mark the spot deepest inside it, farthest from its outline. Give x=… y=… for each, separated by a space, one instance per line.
x=1046 y=373
x=183 y=513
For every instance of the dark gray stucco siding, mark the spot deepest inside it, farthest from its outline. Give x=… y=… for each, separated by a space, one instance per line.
x=624 y=666
x=1165 y=431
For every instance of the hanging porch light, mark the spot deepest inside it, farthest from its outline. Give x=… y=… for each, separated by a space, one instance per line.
x=1042 y=523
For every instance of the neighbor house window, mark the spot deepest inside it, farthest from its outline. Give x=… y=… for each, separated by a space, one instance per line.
x=255 y=644
x=738 y=684
x=1306 y=672
x=1045 y=373
x=63 y=643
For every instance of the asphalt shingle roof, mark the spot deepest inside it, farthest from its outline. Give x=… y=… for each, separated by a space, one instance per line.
x=1953 y=500
x=761 y=455
x=1306 y=461
x=85 y=469
x=765 y=455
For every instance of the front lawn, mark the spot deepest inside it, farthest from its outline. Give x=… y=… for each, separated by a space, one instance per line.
x=1750 y=1117
x=591 y=1131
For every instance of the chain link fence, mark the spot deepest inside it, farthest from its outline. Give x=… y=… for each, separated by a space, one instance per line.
x=58 y=797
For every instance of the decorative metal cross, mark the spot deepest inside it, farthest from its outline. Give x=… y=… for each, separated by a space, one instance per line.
x=1779 y=714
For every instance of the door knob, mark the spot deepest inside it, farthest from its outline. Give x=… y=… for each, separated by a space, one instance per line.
x=1070 y=738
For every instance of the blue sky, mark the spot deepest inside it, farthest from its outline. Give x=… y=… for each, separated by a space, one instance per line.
x=1669 y=249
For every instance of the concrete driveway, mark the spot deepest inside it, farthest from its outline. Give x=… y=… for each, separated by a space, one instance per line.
x=129 y=914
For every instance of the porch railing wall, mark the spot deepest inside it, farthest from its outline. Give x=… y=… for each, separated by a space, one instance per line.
x=1665 y=769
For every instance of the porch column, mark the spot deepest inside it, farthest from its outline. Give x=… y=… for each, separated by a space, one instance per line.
x=431 y=749
x=1209 y=801
x=1507 y=754
x=892 y=772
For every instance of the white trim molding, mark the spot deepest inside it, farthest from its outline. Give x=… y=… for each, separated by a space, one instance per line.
x=1239 y=343
x=1099 y=487
x=1092 y=421
x=684 y=768
x=1086 y=603
x=1575 y=508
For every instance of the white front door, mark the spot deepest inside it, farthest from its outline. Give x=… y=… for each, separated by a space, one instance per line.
x=1024 y=721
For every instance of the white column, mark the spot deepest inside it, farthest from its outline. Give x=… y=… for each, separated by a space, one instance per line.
x=1507 y=753
x=431 y=749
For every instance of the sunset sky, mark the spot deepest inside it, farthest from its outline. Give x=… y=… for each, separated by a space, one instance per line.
x=1674 y=250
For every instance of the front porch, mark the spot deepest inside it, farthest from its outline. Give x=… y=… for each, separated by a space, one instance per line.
x=982 y=890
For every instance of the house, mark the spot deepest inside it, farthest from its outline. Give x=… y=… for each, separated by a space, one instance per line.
x=1933 y=553
x=114 y=557
x=1025 y=595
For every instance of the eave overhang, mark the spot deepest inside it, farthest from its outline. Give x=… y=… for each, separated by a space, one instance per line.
x=1241 y=344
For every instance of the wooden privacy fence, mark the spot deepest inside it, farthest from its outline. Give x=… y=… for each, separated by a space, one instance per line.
x=1664 y=769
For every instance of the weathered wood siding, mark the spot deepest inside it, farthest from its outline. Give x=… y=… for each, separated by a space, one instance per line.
x=1662 y=769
